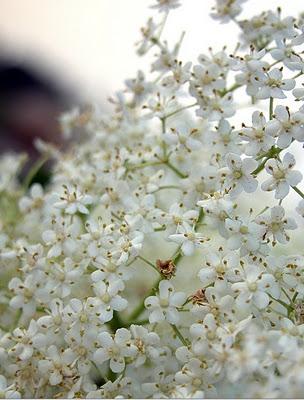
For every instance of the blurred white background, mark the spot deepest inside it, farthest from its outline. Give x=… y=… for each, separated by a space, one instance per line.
x=89 y=44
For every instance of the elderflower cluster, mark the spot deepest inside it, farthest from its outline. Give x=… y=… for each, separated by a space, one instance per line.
x=163 y=259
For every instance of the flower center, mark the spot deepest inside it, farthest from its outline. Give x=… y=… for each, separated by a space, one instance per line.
x=164 y=302
x=252 y=286
x=237 y=174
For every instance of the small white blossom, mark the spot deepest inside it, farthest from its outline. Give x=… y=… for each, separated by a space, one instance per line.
x=164 y=306
x=275 y=224
x=188 y=239
x=73 y=200
x=237 y=177
x=8 y=391
x=115 y=349
x=257 y=138
x=286 y=126
x=255 y=288
x=282 y=176
x=271 y=84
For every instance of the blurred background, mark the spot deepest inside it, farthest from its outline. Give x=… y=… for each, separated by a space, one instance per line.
x=58 y=53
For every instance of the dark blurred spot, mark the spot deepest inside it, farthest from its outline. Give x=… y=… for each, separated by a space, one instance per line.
x=30 y=104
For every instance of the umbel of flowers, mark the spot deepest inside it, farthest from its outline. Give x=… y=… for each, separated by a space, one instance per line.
x=164 y=259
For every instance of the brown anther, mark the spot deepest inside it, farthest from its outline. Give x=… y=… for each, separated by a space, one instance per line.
x=199 y=297
x=166 y=268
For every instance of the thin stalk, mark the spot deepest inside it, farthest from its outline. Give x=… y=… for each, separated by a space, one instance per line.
x=270 y=107
x=176 y=170
x=179 y=335
x=144 y=164
x=179 y=110
x=149 y=263
x=300 y=193
x=34 y=170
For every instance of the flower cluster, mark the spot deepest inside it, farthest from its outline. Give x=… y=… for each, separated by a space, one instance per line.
x=161 y=260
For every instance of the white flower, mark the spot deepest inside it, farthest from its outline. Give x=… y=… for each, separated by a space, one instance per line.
x=147 y=344
x=250 y=65
x=52 y=324
x=122 y=387
x=139 y=87
x=255 y=287
x=115 y=349
x=282 y=176
x=166 y=5
x=286 y=126
x=165 y=305
x=8 y=391
x=188 y=239
x=27 y=340
x=271 y=84
x=218 y=209
x=109 y=299
x=205 y=79
x=26 y=292
x=73 y=200
x=257 y=138
x=244 y=235
x=148 y=32
x=218 y=265
x=182 y=139
x=215 y=107
x=275 y=224
x=237 y=177
x=225 y=10
x=177 y=216
x=34 y=201
x=56 y=365
x=180 y=75
x=61 y=239
x=284 y=52
x=224 y=139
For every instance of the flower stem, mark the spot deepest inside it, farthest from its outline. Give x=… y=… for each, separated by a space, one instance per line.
x=179 y=110
x=34 y=170
x=179 y=335
x=270 y=107
x=300 y=193
x=177 y=171
x=149 y=263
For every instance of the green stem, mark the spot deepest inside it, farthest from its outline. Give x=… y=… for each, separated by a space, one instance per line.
x=179 y=335
x=295 y=297
x=141 y=307
x=140 y=322
x=270 y=107
x=177 y=171
x=149 y=263
x=168 y=187
x=160 y=229
x=231 y=89
x=297 y=75
x=34 y=170
x=164 y=145
x=287 y=295
x=287 y=306
x=272 y=153
x=144 y=164
x=300 y=193
x=116 y=322
x=179 y=110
